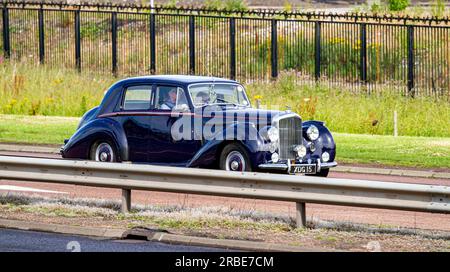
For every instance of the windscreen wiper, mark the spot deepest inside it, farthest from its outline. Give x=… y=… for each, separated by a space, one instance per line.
x=225 y=101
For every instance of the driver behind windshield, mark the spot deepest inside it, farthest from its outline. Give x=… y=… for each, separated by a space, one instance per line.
x=170 y=101
x=202 y=98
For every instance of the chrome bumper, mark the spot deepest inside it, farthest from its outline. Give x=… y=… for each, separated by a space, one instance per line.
x=285 y=166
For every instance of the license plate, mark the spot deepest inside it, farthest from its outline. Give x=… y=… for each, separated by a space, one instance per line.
x=303 y=169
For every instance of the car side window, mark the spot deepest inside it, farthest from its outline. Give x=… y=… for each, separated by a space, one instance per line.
x=137 y=97
x=169 y=97
x=181 y=98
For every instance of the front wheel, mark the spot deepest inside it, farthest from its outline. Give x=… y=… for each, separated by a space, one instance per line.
x=103 y=152
x=234 y=158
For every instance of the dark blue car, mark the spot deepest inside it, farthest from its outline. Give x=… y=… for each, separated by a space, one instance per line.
x=193 y=121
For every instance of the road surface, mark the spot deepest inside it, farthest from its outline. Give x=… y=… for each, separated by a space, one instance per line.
x=33 y=241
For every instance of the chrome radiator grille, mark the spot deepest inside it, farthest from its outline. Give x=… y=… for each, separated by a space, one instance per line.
x=290 y=129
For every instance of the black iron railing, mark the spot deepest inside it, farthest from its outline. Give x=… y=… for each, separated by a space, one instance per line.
x=359 y=51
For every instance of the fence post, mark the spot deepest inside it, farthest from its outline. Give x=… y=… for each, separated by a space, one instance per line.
x=192 y=44
x=274 y=47
x=6 y=44
x=114 y=42
x=126 y=201
x=363 y=54
x=300 y=215
x=152 y=44
x=317 y=50
x=258 y=103
x=410 y=42
x=232 y=48
x=41 y=36
x=77 y=41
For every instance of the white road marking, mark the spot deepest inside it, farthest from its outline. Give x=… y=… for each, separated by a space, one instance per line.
x=27 y=189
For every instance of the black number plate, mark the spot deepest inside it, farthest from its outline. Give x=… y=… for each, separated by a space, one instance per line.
x=303 y=169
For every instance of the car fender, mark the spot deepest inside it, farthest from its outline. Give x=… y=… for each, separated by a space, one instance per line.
x=325 y=142
x=80 y=143
x=210 y=151
x=88 y=116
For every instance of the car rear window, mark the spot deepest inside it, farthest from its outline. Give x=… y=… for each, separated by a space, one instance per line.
x=138 y=98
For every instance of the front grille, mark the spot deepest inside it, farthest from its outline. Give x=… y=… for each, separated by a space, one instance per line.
x=290 y=129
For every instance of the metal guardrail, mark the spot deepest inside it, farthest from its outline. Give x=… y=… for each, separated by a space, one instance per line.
x=298 y=189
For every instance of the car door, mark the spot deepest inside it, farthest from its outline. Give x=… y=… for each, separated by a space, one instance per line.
x=164 y=147
x=136 y=104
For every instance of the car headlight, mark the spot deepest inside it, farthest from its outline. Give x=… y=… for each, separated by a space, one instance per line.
x=272 y=134
x=300 y=150
x=269 y=133
x=313 y=133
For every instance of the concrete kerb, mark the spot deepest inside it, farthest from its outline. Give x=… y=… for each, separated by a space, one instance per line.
x=153 y=236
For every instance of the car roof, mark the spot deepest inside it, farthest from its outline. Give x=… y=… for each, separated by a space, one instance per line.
x=180 y=79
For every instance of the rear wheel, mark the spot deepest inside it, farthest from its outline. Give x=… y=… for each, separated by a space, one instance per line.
x=234 y=158
x=103 y=152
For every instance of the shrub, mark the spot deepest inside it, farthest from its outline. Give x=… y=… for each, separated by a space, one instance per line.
x=398 y=5
x=377 y=7
x=236 y=5
x=287 y=6
x=172 y=3
x=213 y=4
x=340 y=57
x=438 y=8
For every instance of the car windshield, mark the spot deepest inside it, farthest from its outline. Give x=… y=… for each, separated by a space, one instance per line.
x=218 y=93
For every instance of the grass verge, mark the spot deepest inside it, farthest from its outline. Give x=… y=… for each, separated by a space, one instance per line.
x=39 y=90
x=354 y=112
x=352 y=148
x=36 y=129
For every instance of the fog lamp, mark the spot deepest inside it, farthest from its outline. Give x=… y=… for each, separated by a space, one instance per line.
x=300 y=150
x=275 y=157
x=325 y=156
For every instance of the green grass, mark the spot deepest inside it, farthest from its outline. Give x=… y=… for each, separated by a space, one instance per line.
x=40 y=90
x=36 y=129
x=357 y=113
x=351 y=148
x=396 y=151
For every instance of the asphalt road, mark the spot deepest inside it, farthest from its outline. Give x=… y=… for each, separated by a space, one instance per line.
x=33 y=241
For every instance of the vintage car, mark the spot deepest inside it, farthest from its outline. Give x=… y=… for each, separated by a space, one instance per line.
x=194 y=121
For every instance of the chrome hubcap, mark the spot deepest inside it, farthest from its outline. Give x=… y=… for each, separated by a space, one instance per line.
x=235 y=161
x=103 y=156
x=104 y=153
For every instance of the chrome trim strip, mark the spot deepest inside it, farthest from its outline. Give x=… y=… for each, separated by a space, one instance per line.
x=285 y=166
x=328 y=164
x=277 y=166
